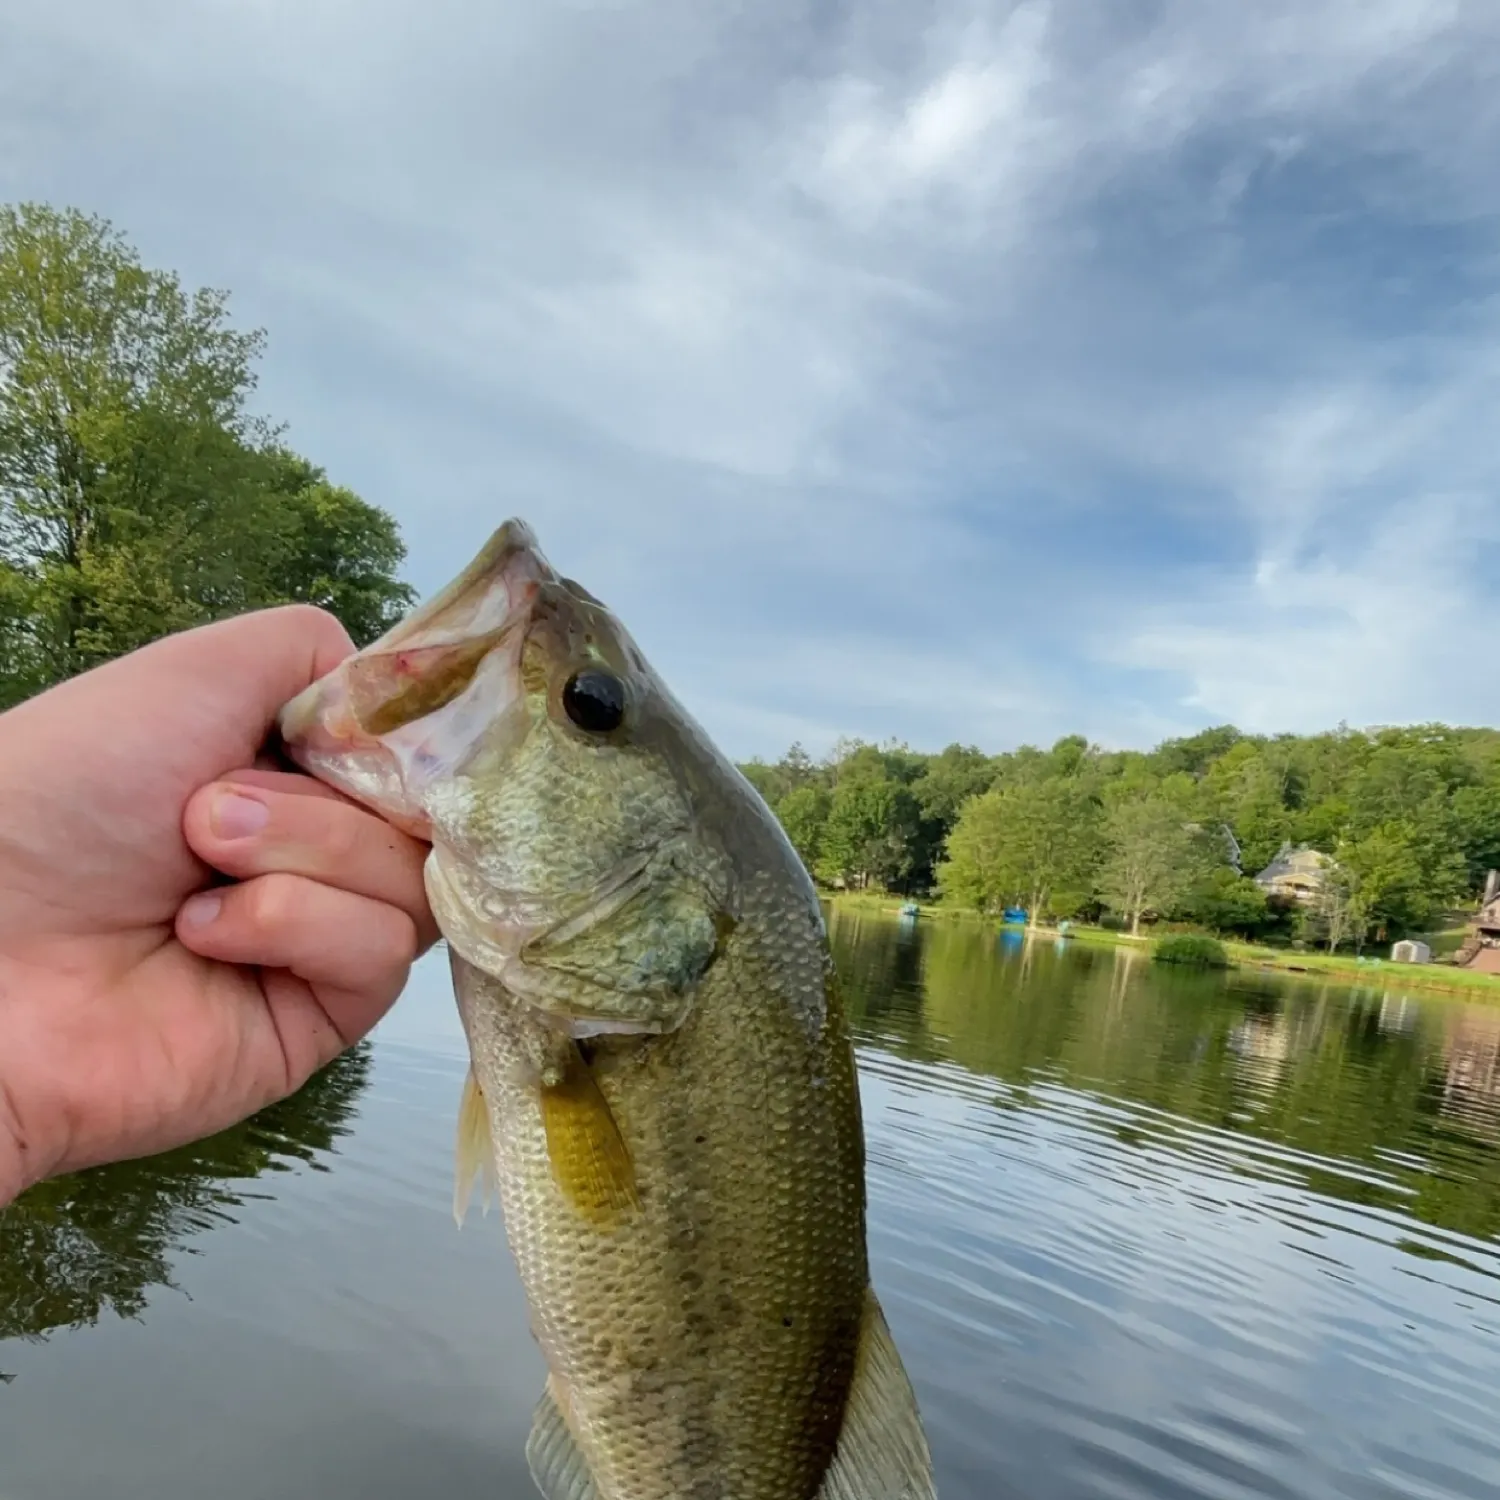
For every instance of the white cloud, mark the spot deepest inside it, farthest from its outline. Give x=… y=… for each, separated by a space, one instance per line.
x=1386 y=626
x=957 y=370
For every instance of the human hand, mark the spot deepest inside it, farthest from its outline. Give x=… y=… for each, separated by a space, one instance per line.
x=141 y=1005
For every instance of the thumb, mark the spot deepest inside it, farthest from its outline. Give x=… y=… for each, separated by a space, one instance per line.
x=205 y=698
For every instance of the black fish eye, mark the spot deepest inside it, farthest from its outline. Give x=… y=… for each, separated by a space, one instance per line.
x=594 y=700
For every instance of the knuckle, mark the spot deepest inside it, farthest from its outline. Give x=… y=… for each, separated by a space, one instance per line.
x=272 y=902
x=312 y=618
x=399 y=939
x=338 y=836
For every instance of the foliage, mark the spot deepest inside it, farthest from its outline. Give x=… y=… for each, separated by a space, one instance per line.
x=138 y=493
x=1377 y=1089
x=804 y=814
x=1152 y=857
x=77 y=1247
x=1411 y=815
x=1023 y=843
x=1192 y=948
x=1225 y=901
x=869 y=831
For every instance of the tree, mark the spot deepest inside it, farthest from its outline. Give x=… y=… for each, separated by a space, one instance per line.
x=1247 y=789
x=950 y=779
x=1022 y=842
x=776 y=782
x=1227 y=902
x=867 y=834
x=138 y=493
x=804 y=816
x=1195 y=754
x=1343 y=906
x=1152 y=858
x=1403 y=877
x=1476 y=811
x=1434 y=791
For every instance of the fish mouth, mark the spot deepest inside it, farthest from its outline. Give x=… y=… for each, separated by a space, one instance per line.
x=392 y=718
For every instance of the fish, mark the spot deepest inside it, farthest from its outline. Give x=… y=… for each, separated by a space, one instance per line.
x=662 y=1091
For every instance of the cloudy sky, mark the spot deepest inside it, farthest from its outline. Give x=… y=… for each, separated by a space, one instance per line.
x=939 y=370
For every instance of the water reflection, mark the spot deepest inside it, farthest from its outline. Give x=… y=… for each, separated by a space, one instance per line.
x=1141 y=1233
x=1178 y=1234
x=101 y=1241
x=1386 y=1102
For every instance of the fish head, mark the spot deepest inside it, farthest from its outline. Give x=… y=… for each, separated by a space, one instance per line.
x=514 y=724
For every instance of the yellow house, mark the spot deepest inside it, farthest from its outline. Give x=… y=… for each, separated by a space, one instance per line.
x=1295 y=873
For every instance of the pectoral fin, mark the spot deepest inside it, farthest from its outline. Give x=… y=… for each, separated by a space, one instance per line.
x=882 y=1452
x=557 y=1465
x=589 y=1158
x=475 y=1155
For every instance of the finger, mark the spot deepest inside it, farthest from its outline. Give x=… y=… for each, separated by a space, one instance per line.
x=355 y=952
x=261 y=658
x=279 y=779
x=218 y=687
x=248 y=830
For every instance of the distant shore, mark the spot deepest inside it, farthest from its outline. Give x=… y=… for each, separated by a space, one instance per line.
x=1434 y=978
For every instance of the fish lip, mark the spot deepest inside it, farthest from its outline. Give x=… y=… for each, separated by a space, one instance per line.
x=320 y=728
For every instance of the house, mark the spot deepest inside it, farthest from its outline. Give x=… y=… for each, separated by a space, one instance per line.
x=1297 y=874
x=1482 y=951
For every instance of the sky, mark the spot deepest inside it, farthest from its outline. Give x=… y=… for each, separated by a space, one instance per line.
x=931 y=371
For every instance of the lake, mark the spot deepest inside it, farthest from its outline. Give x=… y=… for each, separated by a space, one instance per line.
x=1139 y=1234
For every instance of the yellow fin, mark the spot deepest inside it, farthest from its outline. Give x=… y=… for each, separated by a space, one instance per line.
x=475 y=1155
x=588 y=1155
x=557 y=1466
x=882 y=1452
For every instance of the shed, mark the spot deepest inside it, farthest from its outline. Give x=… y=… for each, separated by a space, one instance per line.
x=1410 y=951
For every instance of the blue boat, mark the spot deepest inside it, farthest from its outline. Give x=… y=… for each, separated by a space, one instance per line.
x=1013 y=916
x=911 y=911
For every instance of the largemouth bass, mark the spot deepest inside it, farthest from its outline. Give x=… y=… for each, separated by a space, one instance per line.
x=662 y=1080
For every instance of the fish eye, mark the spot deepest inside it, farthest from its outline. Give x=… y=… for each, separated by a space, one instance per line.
x=594 y=700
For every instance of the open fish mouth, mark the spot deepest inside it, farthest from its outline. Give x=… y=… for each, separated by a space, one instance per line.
x=402 y=713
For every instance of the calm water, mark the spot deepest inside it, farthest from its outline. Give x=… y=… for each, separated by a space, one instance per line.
x=1139 y=1234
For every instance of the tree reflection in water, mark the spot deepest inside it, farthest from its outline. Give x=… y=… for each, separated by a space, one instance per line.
x=104 y=1240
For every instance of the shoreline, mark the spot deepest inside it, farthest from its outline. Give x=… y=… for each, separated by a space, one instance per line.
x=1433 y=978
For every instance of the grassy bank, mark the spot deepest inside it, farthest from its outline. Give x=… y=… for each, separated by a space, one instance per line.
x=1431 y=978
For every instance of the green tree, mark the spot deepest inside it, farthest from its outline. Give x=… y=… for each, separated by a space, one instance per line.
x=1023 y=842
x=1343 y=904
x=1152 y=858
x=1226 y=901
x=1247 y=788
x=1476 y=812
x=950 y=779
x=138 y=493
x=336 y=550
x=1403 y=875
x=867 y=834
x=1196 y=753
x=804 y=816
x=776 y=782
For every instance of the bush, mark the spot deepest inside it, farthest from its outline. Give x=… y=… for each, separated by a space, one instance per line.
x=1192 y=948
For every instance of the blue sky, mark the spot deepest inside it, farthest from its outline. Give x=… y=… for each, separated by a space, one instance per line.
x=937 y=370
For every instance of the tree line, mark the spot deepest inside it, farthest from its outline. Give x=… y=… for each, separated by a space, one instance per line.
x=139 y=492
x=1408 y=817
